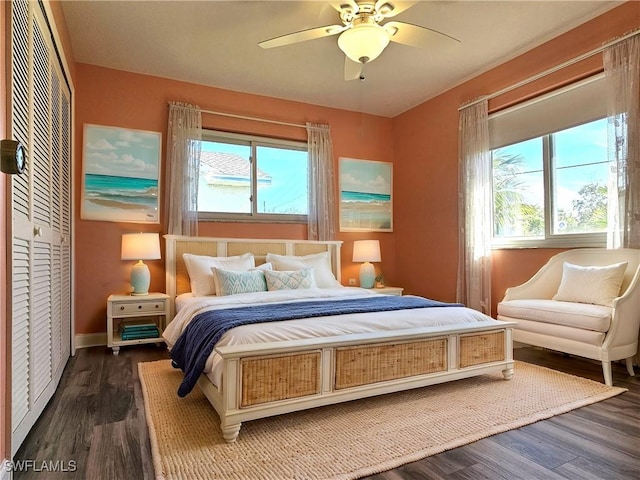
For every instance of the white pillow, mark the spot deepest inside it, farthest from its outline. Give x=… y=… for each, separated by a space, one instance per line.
x=264 y=266
x=292 y=280
x=596 y=285
x=200 y=275
x=229 y=282
x=320 y=262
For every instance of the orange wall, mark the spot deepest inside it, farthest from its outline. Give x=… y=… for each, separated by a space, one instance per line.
x=116 y=98
x=426 y=152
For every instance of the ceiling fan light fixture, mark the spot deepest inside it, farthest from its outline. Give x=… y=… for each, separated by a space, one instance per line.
x=363 y=43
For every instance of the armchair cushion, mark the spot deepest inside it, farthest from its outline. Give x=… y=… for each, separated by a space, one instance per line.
x=595 y=285
x=577 y=315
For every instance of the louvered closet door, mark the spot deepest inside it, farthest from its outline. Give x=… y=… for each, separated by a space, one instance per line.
x=41 y=219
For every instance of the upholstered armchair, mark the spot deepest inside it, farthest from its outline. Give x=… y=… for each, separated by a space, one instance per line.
x=590 y=312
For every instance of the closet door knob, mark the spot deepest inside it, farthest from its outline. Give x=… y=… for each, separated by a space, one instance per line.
x=37 y=231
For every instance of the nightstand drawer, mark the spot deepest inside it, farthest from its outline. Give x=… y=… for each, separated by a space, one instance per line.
x=138 y=307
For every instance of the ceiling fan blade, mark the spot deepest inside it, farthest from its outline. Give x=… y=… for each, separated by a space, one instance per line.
x=389 y=8
x=352 y=70
x=341 y=5
x=414 y=35
x=303 y=36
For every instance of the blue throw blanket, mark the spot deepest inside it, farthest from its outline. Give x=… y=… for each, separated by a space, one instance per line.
x=198 y=340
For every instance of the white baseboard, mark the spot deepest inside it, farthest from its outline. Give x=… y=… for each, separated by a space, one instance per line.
x=85 y=340
x=6 y=473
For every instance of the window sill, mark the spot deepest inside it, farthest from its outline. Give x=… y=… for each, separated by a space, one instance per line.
x=248 y=219
x=582 y=241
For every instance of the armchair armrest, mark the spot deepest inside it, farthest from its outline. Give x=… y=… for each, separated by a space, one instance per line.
x=544 y=284
x=625 y=318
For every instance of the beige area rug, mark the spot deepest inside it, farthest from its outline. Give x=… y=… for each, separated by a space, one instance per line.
x=353 y=439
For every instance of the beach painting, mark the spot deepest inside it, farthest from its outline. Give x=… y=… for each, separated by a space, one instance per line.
x=365 y=196
x=121 y=175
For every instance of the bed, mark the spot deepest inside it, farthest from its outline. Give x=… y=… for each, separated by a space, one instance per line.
x=265 y=369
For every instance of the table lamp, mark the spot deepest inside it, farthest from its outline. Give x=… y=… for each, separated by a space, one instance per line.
x=140 y=246
x=366 y=251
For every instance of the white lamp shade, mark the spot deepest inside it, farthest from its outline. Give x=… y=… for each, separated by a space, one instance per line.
x=363 y=43
x=366 y=251
x=140 y=246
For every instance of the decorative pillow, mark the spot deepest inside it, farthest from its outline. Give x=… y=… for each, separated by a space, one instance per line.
x=320 y=262
x=199 y=268
x=231 y=282
x=292 y=280
x=596 y=285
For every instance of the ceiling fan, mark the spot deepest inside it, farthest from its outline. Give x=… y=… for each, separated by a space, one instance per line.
x=362 y=37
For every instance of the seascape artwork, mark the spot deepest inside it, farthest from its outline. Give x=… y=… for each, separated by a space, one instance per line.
x=121 y=175
x=365 y=196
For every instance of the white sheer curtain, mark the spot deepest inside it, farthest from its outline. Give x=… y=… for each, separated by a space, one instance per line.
x=321 y=216
x=474 y=209
x=184 y=139
x=622 y=78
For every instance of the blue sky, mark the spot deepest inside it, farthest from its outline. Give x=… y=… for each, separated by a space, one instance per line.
x=585 y=144
x=289 y=178
x=365 y=176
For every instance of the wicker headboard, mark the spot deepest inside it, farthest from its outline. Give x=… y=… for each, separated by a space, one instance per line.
x=177 y=278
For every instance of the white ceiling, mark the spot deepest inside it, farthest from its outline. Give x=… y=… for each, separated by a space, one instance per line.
x=216 y=43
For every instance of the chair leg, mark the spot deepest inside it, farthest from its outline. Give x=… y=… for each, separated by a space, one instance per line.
x=629 y=362
x=608 y=377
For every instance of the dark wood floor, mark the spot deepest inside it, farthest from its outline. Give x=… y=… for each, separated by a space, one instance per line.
x=96 y=419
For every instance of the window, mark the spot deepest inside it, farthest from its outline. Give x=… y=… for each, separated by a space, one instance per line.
x=553 y=187
x=550 y=169
x=252 y=178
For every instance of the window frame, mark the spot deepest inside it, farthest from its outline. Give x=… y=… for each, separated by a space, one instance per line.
x=253 y=141
x=550 y=239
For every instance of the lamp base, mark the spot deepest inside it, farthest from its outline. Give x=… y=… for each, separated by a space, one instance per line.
x=367 y=275
x=140 y=279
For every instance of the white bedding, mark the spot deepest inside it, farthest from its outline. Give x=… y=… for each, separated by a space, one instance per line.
x=190 y=306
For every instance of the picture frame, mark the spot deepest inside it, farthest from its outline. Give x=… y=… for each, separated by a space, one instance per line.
x=120 y=175
x=366 y=195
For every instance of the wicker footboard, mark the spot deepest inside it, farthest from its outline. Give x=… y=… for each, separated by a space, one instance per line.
x=282 y=377
x=476 y=349
x=279 y=377
x=364 y=365
x=271 y=378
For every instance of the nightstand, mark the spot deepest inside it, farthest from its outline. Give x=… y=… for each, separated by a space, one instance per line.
x=389 y=290
x=135 y=311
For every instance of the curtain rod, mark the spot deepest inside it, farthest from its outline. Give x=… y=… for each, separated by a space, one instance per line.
x=264 y=120
x=255 y=119
x=550 y=70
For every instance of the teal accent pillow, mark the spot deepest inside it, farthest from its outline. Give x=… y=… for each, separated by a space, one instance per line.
x=290 y=280
x=233 y=282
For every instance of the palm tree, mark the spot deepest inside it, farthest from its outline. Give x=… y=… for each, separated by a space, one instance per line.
x=507 y=188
